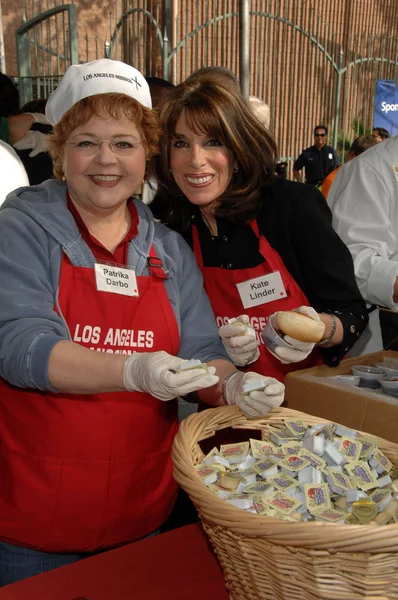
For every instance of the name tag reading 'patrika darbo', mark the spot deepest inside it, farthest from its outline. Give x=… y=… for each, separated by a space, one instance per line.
x=116 y=280
x=261 y=290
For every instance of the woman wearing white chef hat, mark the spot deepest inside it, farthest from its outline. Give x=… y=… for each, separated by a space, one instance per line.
x=99 y=305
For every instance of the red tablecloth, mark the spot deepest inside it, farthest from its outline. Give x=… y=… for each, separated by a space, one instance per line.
x=178 y=565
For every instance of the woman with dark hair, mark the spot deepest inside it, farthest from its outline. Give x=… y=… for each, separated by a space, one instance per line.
x=262 y=243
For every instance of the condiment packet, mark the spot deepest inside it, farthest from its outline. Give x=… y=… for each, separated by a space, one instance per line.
x=284 y=504
x=262 y=507
x=235 y=453
x=351 y=449
x=187 y=365
x=368 y=447
x=214 y=452
x=339 y=482
x=331 y=515
x=381 y=498
x=317 y=497
x=364 y=510
x=230 y=481
x=326 y=431
x=266 y=467
x=293 y=464
x=365 y=478
x=290 y=448
x=207 y=474
x=283 y=482
x=219 y=491
x=380 y=462
x=260 y=487
x=315 y=461
x=279 y=436
x=261 y=449
x=296 y=428
x=241 y=501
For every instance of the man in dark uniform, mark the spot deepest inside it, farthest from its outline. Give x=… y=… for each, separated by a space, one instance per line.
x=318 y=160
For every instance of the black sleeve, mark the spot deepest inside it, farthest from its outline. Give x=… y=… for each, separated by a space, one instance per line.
x=326 y=269
x=299 y=162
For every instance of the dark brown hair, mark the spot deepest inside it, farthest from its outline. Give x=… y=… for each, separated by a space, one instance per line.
x=104 y=105
x=219 y=111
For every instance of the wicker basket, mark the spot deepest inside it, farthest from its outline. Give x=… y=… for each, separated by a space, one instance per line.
x=269 y=559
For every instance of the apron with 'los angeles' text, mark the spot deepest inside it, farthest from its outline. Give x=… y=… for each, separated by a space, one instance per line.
x=82 y=472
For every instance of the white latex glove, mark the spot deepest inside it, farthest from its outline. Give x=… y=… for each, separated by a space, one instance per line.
x=154 y=373
x=39 y=118
x=33 y=139
x=255 y=404
x=300 y=350
x=242 y=349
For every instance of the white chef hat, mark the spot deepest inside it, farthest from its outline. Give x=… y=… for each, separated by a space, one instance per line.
x=96 y=77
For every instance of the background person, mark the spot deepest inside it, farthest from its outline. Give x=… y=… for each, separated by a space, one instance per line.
x=379 y=134
x=317 y=160
x=364 y=201
x=101 y=305
x=217 y=187
x=358 y=146
x=12 y=171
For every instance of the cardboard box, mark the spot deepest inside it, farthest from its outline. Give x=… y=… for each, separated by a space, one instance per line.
x=359 y=408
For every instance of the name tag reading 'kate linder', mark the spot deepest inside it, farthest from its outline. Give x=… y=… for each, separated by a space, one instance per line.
x=116 y=280
x=261 y=290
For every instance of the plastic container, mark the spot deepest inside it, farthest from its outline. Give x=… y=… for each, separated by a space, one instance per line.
x=348 y=379
x=369 y=376
x=390 y=386
x=273 y=337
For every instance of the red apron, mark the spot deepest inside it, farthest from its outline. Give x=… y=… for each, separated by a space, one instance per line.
x=226 y=302
x=82 y=472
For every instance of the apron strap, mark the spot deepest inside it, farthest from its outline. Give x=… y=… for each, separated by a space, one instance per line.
x=196 y=247
x=155 y=264
x=268 y=253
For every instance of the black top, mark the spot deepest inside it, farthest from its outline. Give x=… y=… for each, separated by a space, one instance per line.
x=318 y=163
x=39 y=168
x=296 y=221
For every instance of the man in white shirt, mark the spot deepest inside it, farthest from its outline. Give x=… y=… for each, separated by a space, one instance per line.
x=364 y=202
x=12 y=171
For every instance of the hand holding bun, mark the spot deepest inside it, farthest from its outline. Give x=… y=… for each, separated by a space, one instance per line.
x=303 y=329
x=299 y=326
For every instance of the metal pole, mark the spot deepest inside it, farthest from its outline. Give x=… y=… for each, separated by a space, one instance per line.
x=2 y=49
x=167 y=36
x=244 y=48
x=337 y=105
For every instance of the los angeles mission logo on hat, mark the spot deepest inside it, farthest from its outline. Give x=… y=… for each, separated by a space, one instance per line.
x=96 y=77
x=114 y=75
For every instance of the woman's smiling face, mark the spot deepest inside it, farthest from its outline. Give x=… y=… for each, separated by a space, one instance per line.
x=202 y=166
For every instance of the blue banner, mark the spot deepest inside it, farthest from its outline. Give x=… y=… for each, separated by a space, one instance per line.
x=386 y=106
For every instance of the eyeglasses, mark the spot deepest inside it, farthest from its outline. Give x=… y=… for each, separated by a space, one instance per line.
x=90 y=148
x=320 y=134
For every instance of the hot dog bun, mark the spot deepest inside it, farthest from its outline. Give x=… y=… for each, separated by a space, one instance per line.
x=300 y=327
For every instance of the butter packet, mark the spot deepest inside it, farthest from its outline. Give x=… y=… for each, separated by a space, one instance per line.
x=380 y=462
x=260 y=487
x=229 y=481
x=317 y=497
x=332 y=515
x=315 y=461
x=381 y=498
x=279 y=437
x=351 y=449
x=364 y=477
x=283 y=482
x=214 y=452
x=262 y=507
x=339 y=482
x=326 y=431
x=261 y=449
x=368 y=447
x=207 y=474
x=235 y=453
x=290 y=448
x=293 y=464
x=296 y=428
x=283 y=503
x=187 y=365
